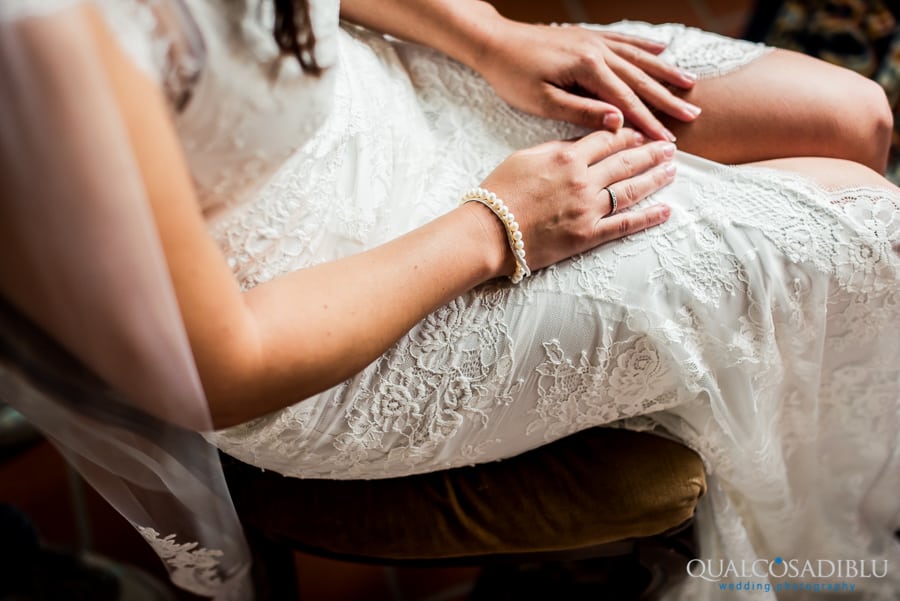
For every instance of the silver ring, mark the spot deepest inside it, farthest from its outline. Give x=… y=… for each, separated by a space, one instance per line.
x=613 y=201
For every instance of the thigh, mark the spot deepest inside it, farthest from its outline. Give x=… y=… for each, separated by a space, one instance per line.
x=832 y=174
x=788 y=104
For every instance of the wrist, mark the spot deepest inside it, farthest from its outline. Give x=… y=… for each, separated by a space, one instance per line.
x=489 y=235
x=473 y=44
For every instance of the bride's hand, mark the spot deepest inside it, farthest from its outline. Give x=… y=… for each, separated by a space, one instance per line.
x=557 y=193
x=584 y=76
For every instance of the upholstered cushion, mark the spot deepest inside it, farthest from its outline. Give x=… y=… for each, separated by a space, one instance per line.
x=592 y=488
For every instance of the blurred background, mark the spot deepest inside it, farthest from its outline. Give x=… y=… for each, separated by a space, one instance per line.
x=729 y=17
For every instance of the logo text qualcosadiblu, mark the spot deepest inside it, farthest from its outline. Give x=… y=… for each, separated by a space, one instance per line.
x=714 y=570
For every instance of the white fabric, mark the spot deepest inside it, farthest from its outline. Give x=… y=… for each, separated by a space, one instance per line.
x=760 y=325
x=82 y=258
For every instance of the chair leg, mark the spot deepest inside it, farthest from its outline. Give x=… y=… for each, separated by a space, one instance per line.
x=274 y=573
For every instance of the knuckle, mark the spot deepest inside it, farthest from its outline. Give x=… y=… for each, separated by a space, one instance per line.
x=628 y=52
x=648 y=88
x=670 y=70
x=629 y=192
x=625 y=225
x=578 y=184
x=565 y=157
x=643 y=86
x=546 y=102
x=660 y=177
x=590 y=60
x=658 y=155
x=626 y=161
x=633 y=103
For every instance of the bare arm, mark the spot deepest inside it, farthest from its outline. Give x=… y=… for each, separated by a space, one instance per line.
x=460 y=29
x=587 y=77
x=309 y=330
x=300 y=334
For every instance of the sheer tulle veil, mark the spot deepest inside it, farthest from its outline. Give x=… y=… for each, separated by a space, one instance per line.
x=83 y=261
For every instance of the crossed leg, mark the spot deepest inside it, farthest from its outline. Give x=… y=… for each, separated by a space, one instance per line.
x=787 y=104
x=832 y=174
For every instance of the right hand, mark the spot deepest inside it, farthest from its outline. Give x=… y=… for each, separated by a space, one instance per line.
x=585 y=76
x=556 y=191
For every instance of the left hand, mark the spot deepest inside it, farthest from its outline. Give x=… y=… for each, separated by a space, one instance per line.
x=587 y=77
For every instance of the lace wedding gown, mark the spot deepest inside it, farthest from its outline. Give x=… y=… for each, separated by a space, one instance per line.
x=760 y=325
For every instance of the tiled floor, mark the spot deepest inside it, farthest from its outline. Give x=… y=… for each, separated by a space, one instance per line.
x=37 y=482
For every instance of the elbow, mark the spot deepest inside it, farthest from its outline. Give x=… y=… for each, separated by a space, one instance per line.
x=229 y=370
x=240 y=386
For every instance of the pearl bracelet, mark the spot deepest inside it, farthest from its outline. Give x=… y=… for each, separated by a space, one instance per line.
x=498 y=207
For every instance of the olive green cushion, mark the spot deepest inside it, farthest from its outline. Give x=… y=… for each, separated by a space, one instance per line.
x=595 y=487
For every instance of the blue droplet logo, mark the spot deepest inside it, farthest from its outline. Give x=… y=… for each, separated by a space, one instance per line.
x=778 y=560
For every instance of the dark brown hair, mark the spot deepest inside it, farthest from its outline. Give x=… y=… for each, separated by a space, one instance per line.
x=293 y=33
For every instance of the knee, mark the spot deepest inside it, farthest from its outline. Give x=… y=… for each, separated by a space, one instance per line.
x=873 y=124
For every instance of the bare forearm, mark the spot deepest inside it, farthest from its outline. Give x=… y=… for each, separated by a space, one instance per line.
x=303 y=332
x=307 y=331
x=458 y=28
x=319 y=326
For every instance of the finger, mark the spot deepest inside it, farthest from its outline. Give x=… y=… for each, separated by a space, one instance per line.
x=649 y=45
x=652 y=92
x=635 y=189
x=630 y=163
x=632 y=222
x=601 y=144
x=608 y=86
x=653 y=65
x=581 y=110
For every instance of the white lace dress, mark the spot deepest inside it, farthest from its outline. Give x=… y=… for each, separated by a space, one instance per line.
x=760 y=325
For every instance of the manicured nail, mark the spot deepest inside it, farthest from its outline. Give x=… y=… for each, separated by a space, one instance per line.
x=688 y=75
x=638 y=138
x=665 y=211
x=669 y=169
x=669 y=135
x=612 y=121
x=692 y=109
x=668 y=149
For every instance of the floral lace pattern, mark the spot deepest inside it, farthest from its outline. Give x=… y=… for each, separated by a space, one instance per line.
x=163 y=39
x=709 y=328
x=702 y=53
x=758 y=325
x=192 y=567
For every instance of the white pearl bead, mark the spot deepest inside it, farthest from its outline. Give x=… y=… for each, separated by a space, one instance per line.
x=516 y=242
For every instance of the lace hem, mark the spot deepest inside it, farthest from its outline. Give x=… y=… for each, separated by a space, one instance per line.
x=706 y=55
x=193 y=568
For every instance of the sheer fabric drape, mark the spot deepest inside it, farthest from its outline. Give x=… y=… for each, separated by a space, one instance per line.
x=83 y=261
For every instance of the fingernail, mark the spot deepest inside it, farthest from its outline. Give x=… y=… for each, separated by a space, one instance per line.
x=692 y=109
x=669 y=169
x=638 y=138
x=665 y=211
x=668 y=149
x=688 y=75
x=612 y=121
